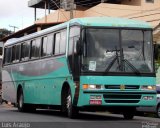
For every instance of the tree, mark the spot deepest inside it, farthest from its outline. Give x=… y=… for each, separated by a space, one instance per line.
x=4 y=33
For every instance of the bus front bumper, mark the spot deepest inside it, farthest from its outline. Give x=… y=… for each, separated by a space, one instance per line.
x=116 y=98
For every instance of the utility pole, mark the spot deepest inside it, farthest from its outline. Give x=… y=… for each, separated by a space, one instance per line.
x=14 y=27
x=68 y=5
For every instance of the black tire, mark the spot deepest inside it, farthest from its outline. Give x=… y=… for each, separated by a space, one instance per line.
x=129 y=114
x=72 y=111
x=20 y=101
x=158 y=111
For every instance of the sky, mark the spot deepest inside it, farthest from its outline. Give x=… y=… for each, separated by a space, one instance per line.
x=17 y=13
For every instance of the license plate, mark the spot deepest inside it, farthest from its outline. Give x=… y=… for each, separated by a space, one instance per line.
x=95 y=102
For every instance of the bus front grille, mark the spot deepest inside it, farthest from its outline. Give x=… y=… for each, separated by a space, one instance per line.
x=118 y=87
x=119 y=98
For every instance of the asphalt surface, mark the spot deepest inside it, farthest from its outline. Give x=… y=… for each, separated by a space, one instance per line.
x=11 y=118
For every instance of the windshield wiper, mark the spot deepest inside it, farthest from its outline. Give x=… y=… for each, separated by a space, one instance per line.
x=134 y=69
x=121 y=65
x=113 y=61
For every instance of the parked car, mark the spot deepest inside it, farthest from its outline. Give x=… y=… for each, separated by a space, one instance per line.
x=155 y=109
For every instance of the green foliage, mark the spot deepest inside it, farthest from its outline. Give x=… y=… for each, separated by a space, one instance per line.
x=4 y=33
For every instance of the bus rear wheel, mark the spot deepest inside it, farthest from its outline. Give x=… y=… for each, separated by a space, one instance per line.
x=21 y=105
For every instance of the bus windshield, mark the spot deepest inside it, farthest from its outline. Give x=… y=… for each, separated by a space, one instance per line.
x=117 y=50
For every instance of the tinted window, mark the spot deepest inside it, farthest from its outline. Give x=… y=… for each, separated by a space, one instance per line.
x=44 y=46
x=74 y=36
x=50 y=44
x=13 y=53
x=57 y=42
x=25 y=51
x=8 y=55
x=63 y=42
x=35 y=49
x=18 y=48
x=74 y=31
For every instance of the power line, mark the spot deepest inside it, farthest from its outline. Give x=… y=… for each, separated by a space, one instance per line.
x=14 y=27
x=144 y=11
x=59 y=9
x=144 y=15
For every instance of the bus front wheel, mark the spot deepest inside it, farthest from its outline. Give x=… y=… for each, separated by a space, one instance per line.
x=158 y=111
x=128 y=114
x=72 y=111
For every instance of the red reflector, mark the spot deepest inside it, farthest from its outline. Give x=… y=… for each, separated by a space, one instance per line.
x=95 y=102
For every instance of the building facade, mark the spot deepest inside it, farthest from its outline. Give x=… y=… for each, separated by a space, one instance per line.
x=145 y=10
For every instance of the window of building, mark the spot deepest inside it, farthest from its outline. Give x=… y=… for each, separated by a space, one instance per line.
x=149 y=1
x=25 y=51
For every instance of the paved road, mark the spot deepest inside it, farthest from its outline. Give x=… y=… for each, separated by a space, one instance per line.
x=10 y=117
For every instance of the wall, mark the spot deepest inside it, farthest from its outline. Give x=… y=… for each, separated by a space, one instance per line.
x=132 y=2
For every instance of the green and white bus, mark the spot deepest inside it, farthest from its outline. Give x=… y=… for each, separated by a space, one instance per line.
x=85 y=64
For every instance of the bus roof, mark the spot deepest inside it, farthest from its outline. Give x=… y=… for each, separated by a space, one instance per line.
x=88 y=21
x=111 y=22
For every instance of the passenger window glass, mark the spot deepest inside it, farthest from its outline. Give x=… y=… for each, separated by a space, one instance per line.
x=74 y=31
x=13 y=54
x=25 y=51
x=18 y=48
x=44 y=46
x=8 y=55
x=57 y=42
x=35 y=49
x=50 y=44
x=74 y=36
x=63 y=42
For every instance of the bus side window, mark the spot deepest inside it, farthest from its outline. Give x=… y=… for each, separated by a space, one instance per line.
x=35 y=48
x=13 y=54
x=74 y=36
x=44 y=46
x=18 y=48
x=49 y=50
x=63 y=41
x=57 y=43
x=8 y=52
x=72 y=57
x=25 y=51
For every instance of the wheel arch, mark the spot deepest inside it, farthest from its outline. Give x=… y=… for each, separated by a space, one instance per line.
x=65 y=88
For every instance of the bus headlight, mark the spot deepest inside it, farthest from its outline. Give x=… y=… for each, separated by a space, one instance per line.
x=92 y=86
x=148 y=87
